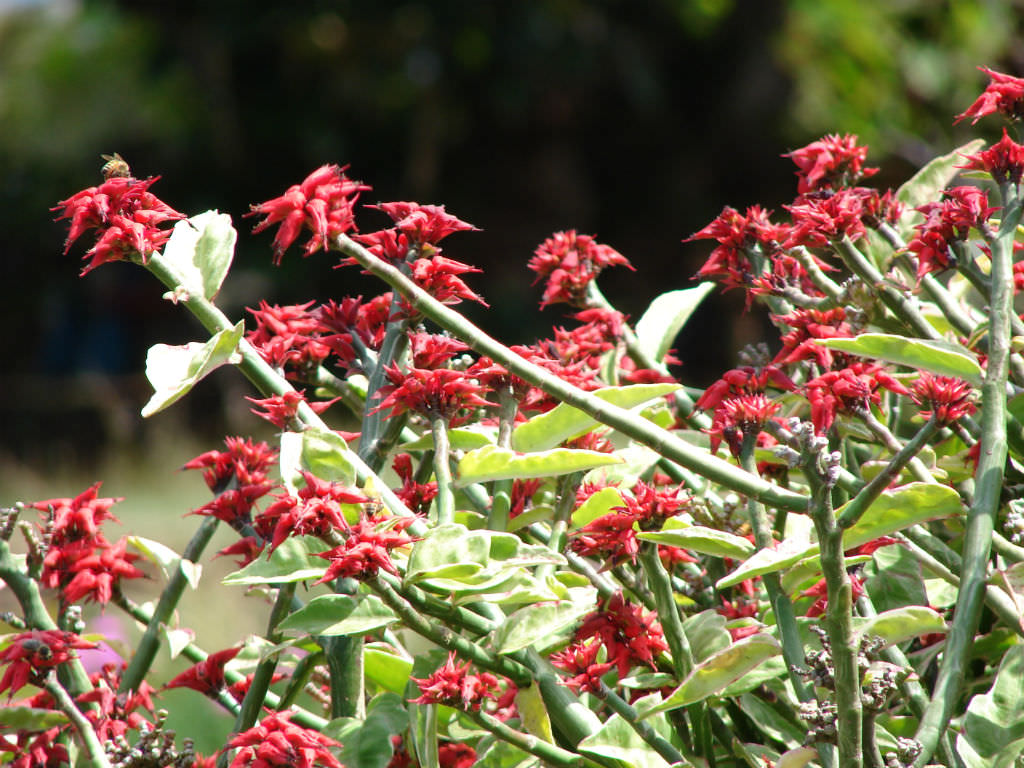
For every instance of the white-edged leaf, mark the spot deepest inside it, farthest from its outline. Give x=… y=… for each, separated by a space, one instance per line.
x=200 y=249
x=159 y=554
x=665 y=317
x=174 y=370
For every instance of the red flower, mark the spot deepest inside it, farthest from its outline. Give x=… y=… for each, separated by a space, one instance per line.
x=522 y=494
x=249 y=547
x=832 y=162
x=315 y=511
x=416 y=496
x=323 y=203
x=78 y=518
x=629 y=635
x=570 y=262
x=746 y=380
x=453 y=755
x=244 y=463
x=1004 y=94
x=453 y=686
x=580 y=661
x=367 y=549
x=434 y=393
x=239 y=688
x=95 y=575
x=948 y=398
x=852 y=388
x=433 y=350
x=819 y=221
x=207 y=676
x=611 y=537
x=278 y=743
x=294 y=338
x=126 y=215
x=740 y=416
x=29 y=656
x=807 y=325
x=281 y=409
x=423 y=224
x=1004 y=160
x=737 y=235
x=820 y=590
x=947 y=221
x=439 y=276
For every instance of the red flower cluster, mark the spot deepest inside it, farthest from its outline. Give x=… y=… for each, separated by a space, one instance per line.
x=315 y=511
x=849 y=389
x=737 y=236
x=422 y=225
x=438 y=393
x=126 y=215
x=368 y=322
x=629 y=635
x=323 y=203
x=580 y=661
x=30 y=656
x=280 y=410
x=820 y=591
x=295 y=339
x=809 y=324
x=739 y=403
x=416 y=496
x=818 y=221
x=367 y=548
x=832 y=162
x=453 y=686
x=206 y=677
x=951 y=219
x=948 y=398
x=1003 y=161
x=1004 y=94
x=279 y=743
x=80 y=561
x=238 y=477
x=570 y=262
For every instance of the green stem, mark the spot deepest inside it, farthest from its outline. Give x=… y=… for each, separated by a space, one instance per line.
x=642 y=728
x=870 y=492
x=839 y=625
x=988 y=485
x=172 y=592
x=444 y=637
x=444 y=502
x=901 y=306
x=668 y=609
x=782 y=606
x=373 y=443
x=501 y=497
x=95 y=754
x=637 y=428
x=556 y=757
x=567 y=485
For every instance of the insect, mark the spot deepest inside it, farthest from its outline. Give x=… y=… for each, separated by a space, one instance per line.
x=115 y=166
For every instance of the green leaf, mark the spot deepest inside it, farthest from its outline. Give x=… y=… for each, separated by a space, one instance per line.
x=772 y=722
x=368 y=742
x=563 y=422
x=460 y=439
x=30 y=718
x=720 y=670
x=900 y=508
x=993 y=727
x=501 y=754
x=940 y=357
x=533 y=714
x=537 y=623
x=698 y=538
x=173 y=371
x=665 y=317
x=618 y=740
x=789 y=552
x=159 y=554
x=798 y=757
x=322 y=452
x=597 y=505
x=926 y=185
x=706 y=634
x=894 y=580
x=332 y=615
x=494 y=463
x=386 y=668
x=292 y=561
x=200 y=249
x=901 y=624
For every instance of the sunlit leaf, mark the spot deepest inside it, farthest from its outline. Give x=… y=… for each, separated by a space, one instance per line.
x=699 y=538
x=292 y=561
x=326 y=455
x=597 y=505
x=720 y=670
x=659 y=325
x=459 y=439
x=200 y=250
x=993 y=727
x=789 y=552
x=330 y=615
x=536 y=623
x=368 y=742
x=173 y=371
x=618 y=740
x=494 y=463
x=563 y=422
x=940 y=357
x=901 y=624
x=18 y=718
x=900 y=508
x=383 y=666
x=926 y=185
x=159 y=554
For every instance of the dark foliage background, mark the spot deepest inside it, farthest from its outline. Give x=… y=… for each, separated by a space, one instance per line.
x=636 y=121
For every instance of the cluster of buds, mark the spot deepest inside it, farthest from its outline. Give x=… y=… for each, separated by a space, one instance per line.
x=155 y=746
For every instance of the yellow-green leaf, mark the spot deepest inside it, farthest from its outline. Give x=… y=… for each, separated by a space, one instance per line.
x=494 y=463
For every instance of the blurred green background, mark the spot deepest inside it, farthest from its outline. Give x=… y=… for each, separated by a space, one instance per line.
x=636 y=121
